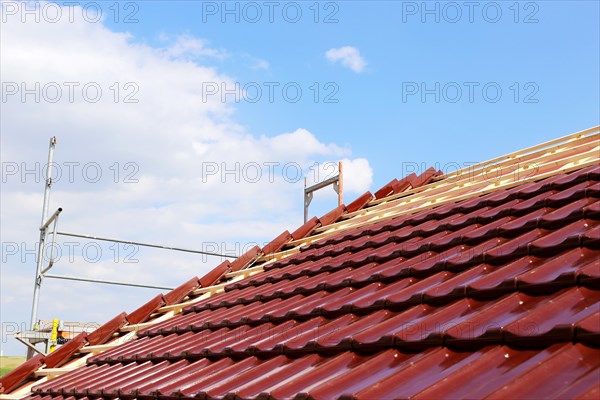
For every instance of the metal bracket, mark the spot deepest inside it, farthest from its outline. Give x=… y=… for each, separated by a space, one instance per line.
x=307 y=200
x=338 y=185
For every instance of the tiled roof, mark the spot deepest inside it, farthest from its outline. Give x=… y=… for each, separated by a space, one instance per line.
x=484 y=284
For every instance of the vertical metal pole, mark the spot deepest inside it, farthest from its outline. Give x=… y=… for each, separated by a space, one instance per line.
x=40 y=259
x=340 y=184
x=305 y=202
x=53 y=243
x=48 y=180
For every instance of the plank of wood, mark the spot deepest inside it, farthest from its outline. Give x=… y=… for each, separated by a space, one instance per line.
x=137 y=327
x=519 y=153
x=181 y=306
x=51 y=372
x=279 y=255
x=210 y=289
x=98 y=348
x=245 y=272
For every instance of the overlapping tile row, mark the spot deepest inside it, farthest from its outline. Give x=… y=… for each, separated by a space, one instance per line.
x=502 y=290
x=494 y=371
x=464 y=324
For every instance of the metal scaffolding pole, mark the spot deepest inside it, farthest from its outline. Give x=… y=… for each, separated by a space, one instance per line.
x=108 y=282
x=156 y=246
x=43 y=230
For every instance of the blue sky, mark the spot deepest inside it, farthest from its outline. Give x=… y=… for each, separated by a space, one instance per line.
x=387 y=86
x=552 y=46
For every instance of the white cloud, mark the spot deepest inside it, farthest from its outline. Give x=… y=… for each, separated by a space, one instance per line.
x=357 y=173
x=260 y=64
x=200 y=179
x=186 y=46
x=254 y=62
x=348 y=56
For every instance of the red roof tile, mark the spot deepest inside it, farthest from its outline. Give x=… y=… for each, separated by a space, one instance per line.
x=277 y=243
x=386 y=190
x=104 y=332
x=332 y=215
x=60 y=356
x=306 y=228
x=214 y=275
x=244 y=260
x=143 y=312
x=500 y=288
x=359 y=202
x=183 y=290
x=15 y=377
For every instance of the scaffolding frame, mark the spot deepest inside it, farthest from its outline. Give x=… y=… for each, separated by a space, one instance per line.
x=35 y=335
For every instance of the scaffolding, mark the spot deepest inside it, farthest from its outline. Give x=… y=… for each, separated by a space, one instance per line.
x=57 y=332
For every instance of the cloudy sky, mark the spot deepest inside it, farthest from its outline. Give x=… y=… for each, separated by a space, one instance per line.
x=193 y=123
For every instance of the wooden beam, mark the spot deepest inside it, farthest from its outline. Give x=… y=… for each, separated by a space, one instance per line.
x=483 y=188
x=279 y=255
x=51 y=372
x=137 y=327
x=210 y=289
x=245 y=272
x=181 y=306
x=99 y=348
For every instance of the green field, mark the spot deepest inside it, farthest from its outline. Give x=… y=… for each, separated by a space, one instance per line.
x=8 y=363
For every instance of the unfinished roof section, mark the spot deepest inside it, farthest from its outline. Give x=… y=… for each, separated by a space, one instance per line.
x=489 y=274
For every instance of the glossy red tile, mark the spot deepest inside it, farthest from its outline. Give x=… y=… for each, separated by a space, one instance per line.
x=244 y=260
x=64 y=353
x=106 y=331
x=276 y=244
x=213 y=276
x=332 y=215
x=15 y=377
x=181 y=291
x=360 y=202
x=565 y=374
x=143 y=312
